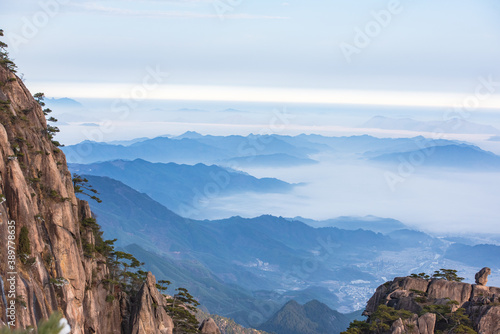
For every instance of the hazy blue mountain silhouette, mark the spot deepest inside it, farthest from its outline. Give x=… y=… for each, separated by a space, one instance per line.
x=63 y=103
x=181 y=187
x=160 y=149
x=365 y=145
x=452 y=156
x=454 y=125
x=371 y=223
x=188 y=148
x=193 y=147
x=487 y=255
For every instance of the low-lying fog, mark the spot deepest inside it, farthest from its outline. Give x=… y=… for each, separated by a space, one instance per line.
x=427 y=199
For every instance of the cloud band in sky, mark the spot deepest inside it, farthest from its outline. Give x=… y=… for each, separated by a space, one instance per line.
x=475 y=100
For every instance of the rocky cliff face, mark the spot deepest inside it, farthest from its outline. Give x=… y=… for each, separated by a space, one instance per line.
x=52 y=273
x=148 y=315
x=481 y=304
x=208 y=326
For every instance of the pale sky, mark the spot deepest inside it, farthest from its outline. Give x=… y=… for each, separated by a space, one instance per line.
x=428 y=50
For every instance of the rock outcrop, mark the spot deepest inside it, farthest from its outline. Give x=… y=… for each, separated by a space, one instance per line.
x=208 y=326
x=479 y=303
x=482 y=276
x=37 y=201
x=149 y=315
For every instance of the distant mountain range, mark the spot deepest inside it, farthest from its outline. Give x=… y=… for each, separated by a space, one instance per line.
x=366 y=146
x=189 y=148
x=494 y=138
x=249 y=151
x=452 y=156
x=184 y=189
x=67 y=110
x=311 y=318
x=454 y=125
x=128 y=142
x=488 y=254
x=63 y=103
x=370 y=223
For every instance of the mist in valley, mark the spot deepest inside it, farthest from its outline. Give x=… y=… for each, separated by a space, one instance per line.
x=441 y=201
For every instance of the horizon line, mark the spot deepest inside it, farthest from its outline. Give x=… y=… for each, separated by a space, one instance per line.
x=389 y=98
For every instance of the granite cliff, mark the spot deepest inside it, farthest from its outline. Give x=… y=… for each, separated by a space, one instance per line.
x=45 y=263
x=424 y=306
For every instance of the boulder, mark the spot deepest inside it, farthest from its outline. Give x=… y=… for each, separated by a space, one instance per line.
x=482 y=276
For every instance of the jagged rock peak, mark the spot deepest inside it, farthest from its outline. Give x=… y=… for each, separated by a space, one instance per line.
x=482 y=276
x=208 y=326
x=149 y=315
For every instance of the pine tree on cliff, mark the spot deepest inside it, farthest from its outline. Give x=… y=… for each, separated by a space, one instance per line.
x=5 y=61
x=181 y=308
x=24 y=245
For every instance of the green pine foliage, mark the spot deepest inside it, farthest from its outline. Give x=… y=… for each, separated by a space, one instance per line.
x=358 y=327
x=447 y=274
x=81 y=186
x=124 y=269
x=5 y=61
x=379 y=322
x=39 y=97
x=421 y=275
x=51 y=130
x=447 y=321
x=182 y=309
x=24 y=245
